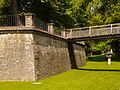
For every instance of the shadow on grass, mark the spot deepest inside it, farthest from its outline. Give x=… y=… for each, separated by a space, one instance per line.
x=101 y=58
x=97 y=58
x=98 y=70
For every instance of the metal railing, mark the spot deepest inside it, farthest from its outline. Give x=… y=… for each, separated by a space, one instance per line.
x=12 y=20
x=92 y=31
x=40 y=24
x=21 y=20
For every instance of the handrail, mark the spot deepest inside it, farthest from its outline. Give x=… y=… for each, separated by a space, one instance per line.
x=108 y=25
x=108 y=29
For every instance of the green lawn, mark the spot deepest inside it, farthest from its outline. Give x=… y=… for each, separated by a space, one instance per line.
x=95 y=75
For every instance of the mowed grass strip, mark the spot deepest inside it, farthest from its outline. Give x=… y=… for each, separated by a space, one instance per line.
x=94 y=76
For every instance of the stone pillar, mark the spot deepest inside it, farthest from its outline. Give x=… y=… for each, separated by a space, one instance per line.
x=109 y=60
x=63 y=34
x=29 y=20
x=50 y=28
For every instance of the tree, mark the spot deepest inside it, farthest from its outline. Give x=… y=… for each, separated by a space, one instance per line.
x=69 y=14
x=15 y=13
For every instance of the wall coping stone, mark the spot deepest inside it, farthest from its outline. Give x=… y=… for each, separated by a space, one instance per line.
x=33 y=28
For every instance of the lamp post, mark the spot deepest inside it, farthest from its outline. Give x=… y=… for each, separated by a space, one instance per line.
x=109 y=56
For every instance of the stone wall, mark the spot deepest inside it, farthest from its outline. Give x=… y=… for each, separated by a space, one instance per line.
x=16 y=57
x=76 y=54
x=28 y=55
x=79 y=53
x=51 y=55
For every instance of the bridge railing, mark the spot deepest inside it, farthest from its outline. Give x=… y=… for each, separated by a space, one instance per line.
x=92 y=31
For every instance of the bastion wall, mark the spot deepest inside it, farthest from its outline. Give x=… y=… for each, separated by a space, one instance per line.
x=29 y=55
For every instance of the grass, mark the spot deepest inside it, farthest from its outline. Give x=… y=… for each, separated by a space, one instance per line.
x=94 y=76
x=97 y=58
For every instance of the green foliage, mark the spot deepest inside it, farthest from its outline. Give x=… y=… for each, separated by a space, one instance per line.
x=1 y=3
x=76 y=11
x=96 y=20
x=5 y=6
x=71 y=14
x=93 y=7
x=114 y=18
x=98 y=46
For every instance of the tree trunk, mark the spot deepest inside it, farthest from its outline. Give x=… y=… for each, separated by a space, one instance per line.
x=117 y=49
x=15 y=13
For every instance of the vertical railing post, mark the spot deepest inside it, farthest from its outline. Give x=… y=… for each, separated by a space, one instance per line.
x=111 y=29
x=29 y=20
x=117 y=30
x=50 y=28
x=97 y=32
x=70 y=33
x=89 y=31
x=79 y=34
x=63 y=34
